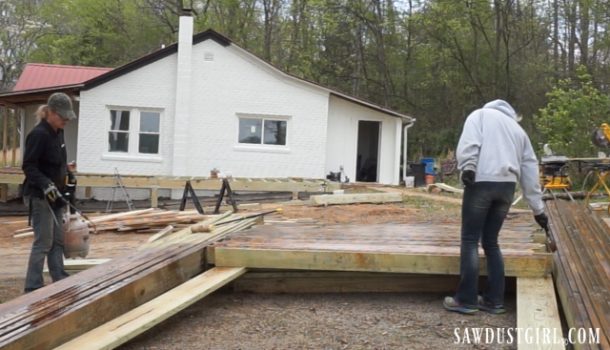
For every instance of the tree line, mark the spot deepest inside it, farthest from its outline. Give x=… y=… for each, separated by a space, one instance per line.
x=436 y=60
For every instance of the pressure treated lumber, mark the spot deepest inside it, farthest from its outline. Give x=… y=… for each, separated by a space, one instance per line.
x=428 y=249
x=534 y=265
x=582 y=268
x=15 y=176
x=537 y=311
x=333 y=199
x=137 y=321
x=63 y=310
x=292 y=281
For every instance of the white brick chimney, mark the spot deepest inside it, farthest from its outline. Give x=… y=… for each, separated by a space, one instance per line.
x=183 y=97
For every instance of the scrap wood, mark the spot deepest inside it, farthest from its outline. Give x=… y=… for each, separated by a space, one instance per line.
x=165 y=231
x=444 y=187
x=330 y=199
x=136 y=220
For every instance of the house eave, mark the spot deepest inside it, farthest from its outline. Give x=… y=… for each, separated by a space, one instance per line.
x=36 y=95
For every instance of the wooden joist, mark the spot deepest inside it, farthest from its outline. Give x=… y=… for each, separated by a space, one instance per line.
x=198 y=183
x=374 y=248
x=533 y=265
x=333 y=199
x=275 y=281
x=142 y=318
x=537 y=312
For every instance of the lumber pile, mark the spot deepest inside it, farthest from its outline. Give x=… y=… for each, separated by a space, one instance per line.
x=582 y=268
x=52 y=315
x=334 y=199
x=138 y=221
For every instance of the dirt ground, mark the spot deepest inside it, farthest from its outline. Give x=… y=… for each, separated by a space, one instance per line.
x=227 y=320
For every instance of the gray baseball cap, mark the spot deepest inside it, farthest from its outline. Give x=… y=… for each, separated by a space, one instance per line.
x=61 y=104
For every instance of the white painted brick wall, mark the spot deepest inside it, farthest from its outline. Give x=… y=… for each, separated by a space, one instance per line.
x=342 y=144
x=151 y=86
x=232 y=83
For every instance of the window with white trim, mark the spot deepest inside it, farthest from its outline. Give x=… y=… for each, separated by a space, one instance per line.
x=265 y=131
x=118 y=137
x=149 y=132
x=134 y=131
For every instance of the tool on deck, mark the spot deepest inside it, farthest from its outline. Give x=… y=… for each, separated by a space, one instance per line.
x=76 y=230
x=555 y=176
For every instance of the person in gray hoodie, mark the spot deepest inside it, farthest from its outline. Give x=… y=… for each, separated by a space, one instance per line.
x=493 y=154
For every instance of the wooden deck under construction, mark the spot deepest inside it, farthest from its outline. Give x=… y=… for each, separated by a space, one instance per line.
x=581 y=269
x=419 y=248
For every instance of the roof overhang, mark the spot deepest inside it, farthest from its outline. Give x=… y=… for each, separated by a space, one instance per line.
x=24 y=97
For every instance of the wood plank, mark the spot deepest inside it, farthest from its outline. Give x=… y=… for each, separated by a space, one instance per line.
x=70 y=314
x=166 y=182
x=52 y=315
x=537 y=310
x=333 y=199
x=342 y=282
x=532 y=265
x=137 y=321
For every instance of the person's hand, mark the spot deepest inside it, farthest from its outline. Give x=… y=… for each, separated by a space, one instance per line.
x=468 y=177
x=542 y=220
x=52 y=193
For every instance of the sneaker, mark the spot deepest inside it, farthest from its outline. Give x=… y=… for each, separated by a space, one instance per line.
x=489 y=307
x=453 y=305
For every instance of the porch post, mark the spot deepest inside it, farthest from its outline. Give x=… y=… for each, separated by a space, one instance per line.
x=17 y=116
x=4 y=135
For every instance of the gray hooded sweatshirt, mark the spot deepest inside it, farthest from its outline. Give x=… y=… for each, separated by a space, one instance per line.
x=495 y=146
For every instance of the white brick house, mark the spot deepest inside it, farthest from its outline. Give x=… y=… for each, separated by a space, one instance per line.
x=206 y=103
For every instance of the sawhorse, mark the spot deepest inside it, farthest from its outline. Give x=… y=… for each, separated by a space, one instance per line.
x=225 y=188
x=600 y=174
x=188 y=189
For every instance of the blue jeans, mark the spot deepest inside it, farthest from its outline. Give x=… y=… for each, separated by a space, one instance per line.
x=48 y=243
x=484 y=208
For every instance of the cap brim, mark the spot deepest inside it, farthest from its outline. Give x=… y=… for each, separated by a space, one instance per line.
x=69 y=116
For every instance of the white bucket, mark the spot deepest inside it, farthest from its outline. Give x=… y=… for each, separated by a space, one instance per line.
x=410 y=181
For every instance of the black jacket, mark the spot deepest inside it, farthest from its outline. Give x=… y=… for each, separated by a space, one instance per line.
x=44 y=160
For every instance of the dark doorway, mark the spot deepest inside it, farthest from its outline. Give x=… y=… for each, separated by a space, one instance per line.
x=368 y=151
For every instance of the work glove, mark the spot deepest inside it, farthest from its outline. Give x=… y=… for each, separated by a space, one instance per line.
x=468 y=177
x=542 y=220
x=52 y=193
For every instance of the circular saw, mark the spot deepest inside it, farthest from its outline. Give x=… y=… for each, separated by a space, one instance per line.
x=601 y=136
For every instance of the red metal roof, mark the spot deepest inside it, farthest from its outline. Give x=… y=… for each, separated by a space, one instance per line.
x=38 y=75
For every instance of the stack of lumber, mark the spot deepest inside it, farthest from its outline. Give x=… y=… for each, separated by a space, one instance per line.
x=63 y=310
x=582 y=268
x=140 y=221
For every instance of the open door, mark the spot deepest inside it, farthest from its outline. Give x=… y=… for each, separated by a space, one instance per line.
x=368 y=151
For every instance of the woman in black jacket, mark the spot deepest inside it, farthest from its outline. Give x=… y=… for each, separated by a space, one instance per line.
x=45 y=168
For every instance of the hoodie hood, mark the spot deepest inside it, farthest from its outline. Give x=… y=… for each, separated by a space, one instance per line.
x=504 y=107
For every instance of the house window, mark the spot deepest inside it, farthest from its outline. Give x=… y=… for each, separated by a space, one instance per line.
x=134 y=131
x=118 y=137
x=262 y=131
x=149 y=132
